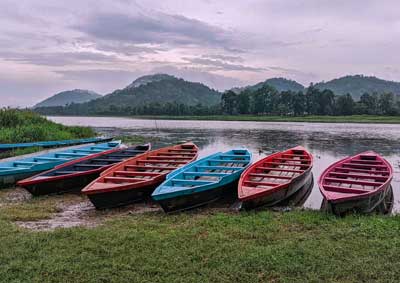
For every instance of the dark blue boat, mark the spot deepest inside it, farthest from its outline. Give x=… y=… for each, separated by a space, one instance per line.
x=48 y=144
x=203 y=181
x=18 y=168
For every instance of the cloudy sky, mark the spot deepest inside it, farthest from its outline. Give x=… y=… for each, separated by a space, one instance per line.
x=48 y=46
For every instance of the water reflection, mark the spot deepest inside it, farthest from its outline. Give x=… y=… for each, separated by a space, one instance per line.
x=327 y=142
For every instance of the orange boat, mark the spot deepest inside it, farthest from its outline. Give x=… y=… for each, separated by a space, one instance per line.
x=136 y=178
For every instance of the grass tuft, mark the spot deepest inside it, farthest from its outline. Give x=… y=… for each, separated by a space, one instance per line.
x=20 y=126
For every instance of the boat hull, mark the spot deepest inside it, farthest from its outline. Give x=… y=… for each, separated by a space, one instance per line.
x=49 y=144
x=120 y=198
x=299 y=197
x=271 y=199
x=362 y=205
x=199 y=199
x=60 y=186
x=7 y=181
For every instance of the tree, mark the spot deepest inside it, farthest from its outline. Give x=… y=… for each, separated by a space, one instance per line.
x=386 y=104
x=298 y=103
x=285 y=105
x=229 y=102
x=243 y=102
x=369 y=103
x=312 y=94
x=345 y=105
x=326 y=102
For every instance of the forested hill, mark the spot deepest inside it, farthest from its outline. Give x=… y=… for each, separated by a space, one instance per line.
x=280 y=84
x=68 y=97
x=358 y=85
x=162 y=89
x=156 y=90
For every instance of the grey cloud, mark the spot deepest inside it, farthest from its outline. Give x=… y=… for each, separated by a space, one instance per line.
x=220 y=65
x=125 y=48
x=159 y=28
x=224 y=57
x=57 y=58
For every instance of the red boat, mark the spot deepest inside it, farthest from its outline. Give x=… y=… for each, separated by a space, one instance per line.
x=136 y=178
x=275 y=178
x=76 y=174
x=356 y=184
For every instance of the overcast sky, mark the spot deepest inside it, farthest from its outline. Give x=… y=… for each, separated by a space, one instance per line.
x=49 y=46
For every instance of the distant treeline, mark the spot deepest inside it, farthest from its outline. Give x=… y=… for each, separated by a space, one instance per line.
x=263 y=101
x=268 y=101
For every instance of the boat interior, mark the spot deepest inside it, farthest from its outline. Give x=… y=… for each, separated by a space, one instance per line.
x=358 y=175
x=279 y=169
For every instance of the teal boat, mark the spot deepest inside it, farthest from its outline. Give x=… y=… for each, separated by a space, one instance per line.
x=18 y=168
x=48 y=144
x=203 y=181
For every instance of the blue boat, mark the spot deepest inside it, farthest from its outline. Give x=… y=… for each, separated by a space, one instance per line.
x=203 y=181
x=46 y=144
x=18 y=168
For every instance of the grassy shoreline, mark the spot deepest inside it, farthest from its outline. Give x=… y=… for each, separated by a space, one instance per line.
x=20 y=126
x=359 y=119
x=205 y=246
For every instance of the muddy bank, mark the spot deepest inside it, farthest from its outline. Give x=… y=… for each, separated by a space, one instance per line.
x=69 y=210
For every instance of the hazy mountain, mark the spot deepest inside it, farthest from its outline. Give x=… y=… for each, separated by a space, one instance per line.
x=68 y=97
x=280 y=84
x=359 y=84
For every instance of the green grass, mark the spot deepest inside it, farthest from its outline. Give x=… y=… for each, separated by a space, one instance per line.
x=298 y=246
x=319 y=119
x=19 y=126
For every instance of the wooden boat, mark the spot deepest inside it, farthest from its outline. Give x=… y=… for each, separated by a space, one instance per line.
x=48 y=144
x=21 y=167
x=356 y=184
x=73 y=176
x=203 y=181
x=275 y=178
x=136 y=178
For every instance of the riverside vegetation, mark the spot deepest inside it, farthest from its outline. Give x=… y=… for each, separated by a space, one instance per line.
x=19 y=126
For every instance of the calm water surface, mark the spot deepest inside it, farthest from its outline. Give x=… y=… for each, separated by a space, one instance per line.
x=327 y=142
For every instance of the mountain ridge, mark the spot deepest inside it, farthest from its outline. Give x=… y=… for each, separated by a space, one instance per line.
x=163 y=88
x=357 y=85
x=67 y=97
x=279 y=83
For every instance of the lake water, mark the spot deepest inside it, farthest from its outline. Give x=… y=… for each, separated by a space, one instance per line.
x=327 y=142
